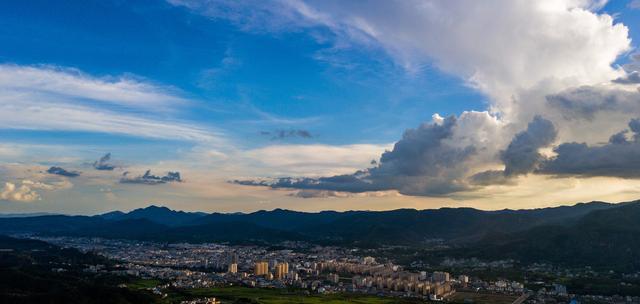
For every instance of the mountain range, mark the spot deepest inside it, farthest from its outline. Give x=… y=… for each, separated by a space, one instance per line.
x=586 y=233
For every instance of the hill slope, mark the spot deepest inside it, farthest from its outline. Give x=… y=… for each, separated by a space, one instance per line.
x=608 y=238
x=26 y=276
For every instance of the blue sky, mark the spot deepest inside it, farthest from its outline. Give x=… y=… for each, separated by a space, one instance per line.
x=238 y=76
x=189 y=79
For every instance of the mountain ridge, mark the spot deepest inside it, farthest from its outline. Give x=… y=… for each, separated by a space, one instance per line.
x=397 y=227
x=542 y=234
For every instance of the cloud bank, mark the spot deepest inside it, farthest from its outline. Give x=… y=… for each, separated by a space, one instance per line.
x=546 y=67
x=620 y=157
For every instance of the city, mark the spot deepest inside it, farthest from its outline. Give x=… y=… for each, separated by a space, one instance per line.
x=318 y=270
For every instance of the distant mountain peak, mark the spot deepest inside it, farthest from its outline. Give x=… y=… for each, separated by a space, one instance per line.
x=154 y=207
x=157 y=214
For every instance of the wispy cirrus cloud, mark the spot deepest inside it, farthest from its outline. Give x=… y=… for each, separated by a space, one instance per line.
x=53 y=98
x=74 y=84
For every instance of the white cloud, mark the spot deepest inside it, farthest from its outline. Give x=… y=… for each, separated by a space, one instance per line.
x=7 y=150
x=517 y=52
x=313 y=160
x=501 y=47
x=496 y=44
x=23 y=193
x=74 y=84
x=48 y=98
x=54 y=185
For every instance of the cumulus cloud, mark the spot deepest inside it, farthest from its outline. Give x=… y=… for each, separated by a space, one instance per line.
x=31 y=184
x=104 y=163
x=585 y=102
x=423 y=163
x=522 y=155
x=618 y=158
x=532 y=59
x=564 y=40
x=63 y=172
x=428 y=160
x=22 y=193
x=149 y=179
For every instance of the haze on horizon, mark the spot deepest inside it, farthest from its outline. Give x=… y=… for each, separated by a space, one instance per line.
x=317 y=105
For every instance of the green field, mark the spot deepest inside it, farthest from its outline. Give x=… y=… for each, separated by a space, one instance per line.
x=278 y=296
x=143 y=283
x=482 y=298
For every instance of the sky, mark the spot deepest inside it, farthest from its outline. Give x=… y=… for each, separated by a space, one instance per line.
x=238 y=106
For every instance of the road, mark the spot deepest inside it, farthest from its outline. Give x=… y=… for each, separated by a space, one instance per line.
x=521 y=298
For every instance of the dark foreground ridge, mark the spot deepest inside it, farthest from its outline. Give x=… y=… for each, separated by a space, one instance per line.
x=33 y=271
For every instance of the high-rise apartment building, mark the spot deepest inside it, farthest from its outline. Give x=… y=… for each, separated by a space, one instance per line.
x=233 y=268
x=261 y=268
x=281 y=270
x=440 y=276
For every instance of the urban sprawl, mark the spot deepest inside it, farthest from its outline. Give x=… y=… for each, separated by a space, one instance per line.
x=317 y=269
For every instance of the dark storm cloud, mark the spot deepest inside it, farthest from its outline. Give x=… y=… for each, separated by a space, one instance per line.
x=419 y=164
x=584 y=102
x=63 y=172
x=348 y=183
x=284 y=134
x=620 y=157
x=491 y=177
x=149 y=179
x=317 y=194
x=630 y=78
x=522 y=156
x=587 y=101
x=104 y=163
